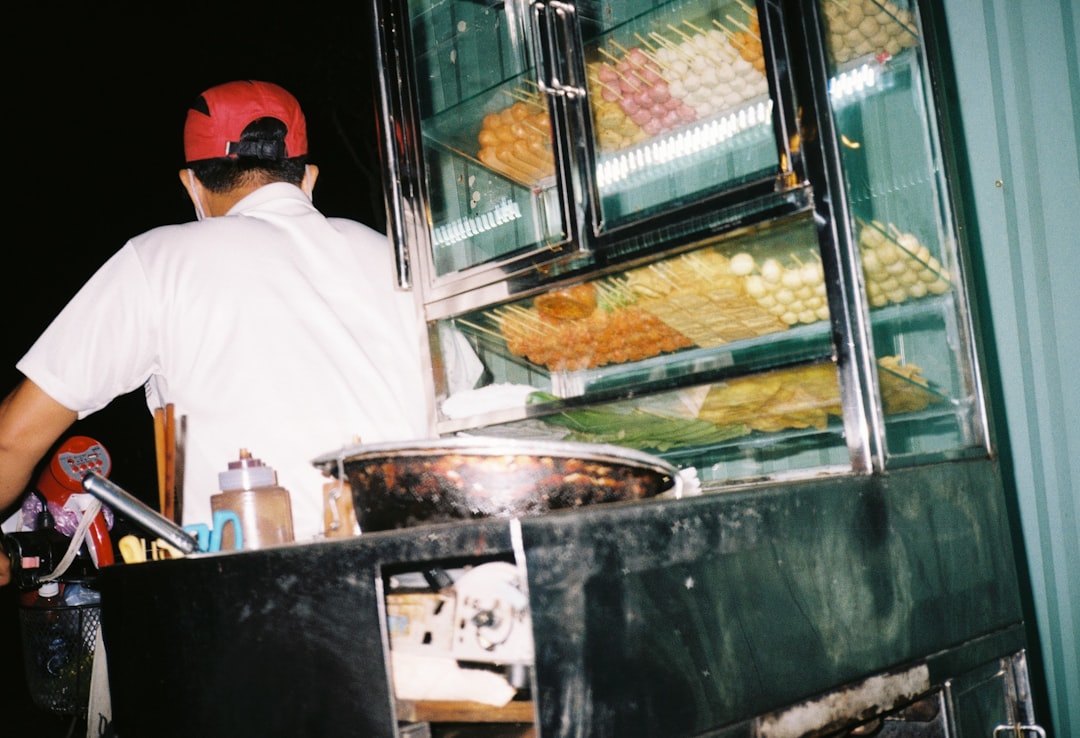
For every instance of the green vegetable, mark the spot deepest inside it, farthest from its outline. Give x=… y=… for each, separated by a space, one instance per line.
x=638 y=429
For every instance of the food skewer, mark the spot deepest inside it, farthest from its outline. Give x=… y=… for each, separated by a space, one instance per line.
x=610 y=57
x=479 y=329
x=521 y=324
x=663 y=272
x=524 y=313
x=534 y=128
x=535 y=98
x=614 y=65
x=595 y=79
x=746 y=43
x=614 y=293
x=644 y=42
x=531 y=98
x=743 y=27
x=727 y=31
x=709 y=51
x=634 y=66
x=650 y=53
x=678 y=31
x=522 y=97
x=672 y=46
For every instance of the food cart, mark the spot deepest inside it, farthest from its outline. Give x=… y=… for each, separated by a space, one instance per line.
x=724 y=234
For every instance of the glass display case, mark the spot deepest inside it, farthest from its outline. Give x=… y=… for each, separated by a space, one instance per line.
x=721 y=231
x=718 y=231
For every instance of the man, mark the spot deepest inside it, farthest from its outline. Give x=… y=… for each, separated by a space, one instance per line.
x=269 y=326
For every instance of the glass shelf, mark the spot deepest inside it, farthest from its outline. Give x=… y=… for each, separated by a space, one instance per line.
x=745 y=422
x=653 y=275
x=741 y=306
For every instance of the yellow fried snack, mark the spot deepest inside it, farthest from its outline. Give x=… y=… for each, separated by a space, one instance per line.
x=805 y=396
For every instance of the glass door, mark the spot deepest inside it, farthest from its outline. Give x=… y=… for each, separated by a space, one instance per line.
x=531 y=139
x=471 y=141
x=680 y=112
x=902 y=226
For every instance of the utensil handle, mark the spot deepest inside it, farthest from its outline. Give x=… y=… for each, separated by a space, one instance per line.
x=159 y=448
x=124 y=502
x=169 y=510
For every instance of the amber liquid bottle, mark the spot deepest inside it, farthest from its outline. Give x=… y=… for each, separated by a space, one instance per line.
x=250 y=489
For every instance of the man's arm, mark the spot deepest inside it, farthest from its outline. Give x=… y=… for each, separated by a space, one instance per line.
x=30 y=423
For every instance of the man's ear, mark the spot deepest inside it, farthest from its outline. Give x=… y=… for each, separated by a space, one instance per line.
x=195 y=191
x=187 y=178
x=311 y=173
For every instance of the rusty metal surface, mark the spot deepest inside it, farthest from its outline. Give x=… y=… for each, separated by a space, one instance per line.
x=853 y=703
x=675 y=618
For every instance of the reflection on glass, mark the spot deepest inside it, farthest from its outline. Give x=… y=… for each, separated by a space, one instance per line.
x=680 y=106
x=902 y=220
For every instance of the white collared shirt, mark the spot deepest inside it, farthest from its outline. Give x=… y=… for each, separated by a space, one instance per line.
x=274 y=328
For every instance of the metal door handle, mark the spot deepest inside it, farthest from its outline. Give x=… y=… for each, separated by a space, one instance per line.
x=1020 y=730
x=551 y=82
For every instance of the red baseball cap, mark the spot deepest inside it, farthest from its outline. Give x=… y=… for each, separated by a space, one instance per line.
x=233 y=106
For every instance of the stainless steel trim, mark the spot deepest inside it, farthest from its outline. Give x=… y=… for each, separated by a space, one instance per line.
x=124 y=502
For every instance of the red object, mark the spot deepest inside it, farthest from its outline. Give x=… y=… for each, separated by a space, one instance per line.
x=76 y=457
x=233 y=106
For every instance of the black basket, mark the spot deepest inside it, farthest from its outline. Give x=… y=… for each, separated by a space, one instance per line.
x=58 y=655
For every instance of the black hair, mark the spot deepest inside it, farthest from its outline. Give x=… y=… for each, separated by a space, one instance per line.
x=267 y=135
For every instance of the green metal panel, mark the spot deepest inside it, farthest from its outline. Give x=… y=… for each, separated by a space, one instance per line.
x=732 y=604
x=1018 y=80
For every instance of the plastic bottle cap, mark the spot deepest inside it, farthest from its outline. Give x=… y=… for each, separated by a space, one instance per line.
x=246 y=473
x=49 y=589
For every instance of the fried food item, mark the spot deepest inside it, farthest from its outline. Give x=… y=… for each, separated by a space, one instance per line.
x=903 y=388
x=516 y=142
x=613 y=336
x=805 y=397
x=700 y=296
x=569 y=303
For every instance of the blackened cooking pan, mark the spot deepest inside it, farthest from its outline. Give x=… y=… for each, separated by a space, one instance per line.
x=399 y=485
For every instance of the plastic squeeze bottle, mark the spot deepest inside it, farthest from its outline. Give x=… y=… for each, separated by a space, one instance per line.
x=43 y=623
x=250 y=489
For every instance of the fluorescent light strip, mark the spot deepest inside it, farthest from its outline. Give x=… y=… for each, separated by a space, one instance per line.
x=852 y=82
x=459 y=230
x=687 y=142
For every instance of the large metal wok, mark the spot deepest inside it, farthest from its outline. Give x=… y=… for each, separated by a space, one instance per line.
x=399 y=485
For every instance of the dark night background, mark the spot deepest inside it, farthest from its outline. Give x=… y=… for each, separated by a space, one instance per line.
x=96 y=95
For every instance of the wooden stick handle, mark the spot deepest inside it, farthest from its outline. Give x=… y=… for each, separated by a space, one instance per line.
x=170 y=463
x=159 y=448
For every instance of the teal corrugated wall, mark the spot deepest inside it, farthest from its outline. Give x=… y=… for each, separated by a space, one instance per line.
x=1018 y=77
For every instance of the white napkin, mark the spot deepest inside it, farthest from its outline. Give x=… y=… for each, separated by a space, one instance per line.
x=439 y=678
x=486 y=399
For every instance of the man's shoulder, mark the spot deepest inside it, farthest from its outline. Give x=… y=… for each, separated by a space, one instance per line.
x=344 y=224
x=358 y=231
x=210 y=234
x=170 y=232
